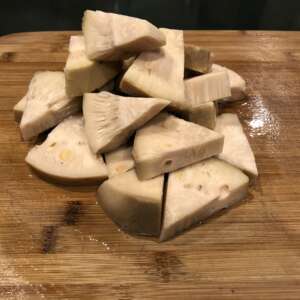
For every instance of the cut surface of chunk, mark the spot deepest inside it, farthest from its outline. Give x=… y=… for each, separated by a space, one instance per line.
x=159 y=73
x=133 y=204
x=204 y=115
x=119 y=161
x=65 y=155
x=111 y=119
x=206 y=88
x=47 y=103
x=168 y=143
x=19 y=108
x=237 y=83
x=197 y=58
x=197 y=191
x=237 y=149
x=84 y=75
x=111 y=36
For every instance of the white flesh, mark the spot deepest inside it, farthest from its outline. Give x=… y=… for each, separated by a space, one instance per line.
x=119 y=161
x=114 y=37
x=47 y=104
x=84 y=75
x=159 y=73
x=133 y=204
x=65 y=155
x=19 y=108
x=237 y=83
x=206 y=88
x=111 y=119
x=196 y=192
x=237 y=149
x=168 y=143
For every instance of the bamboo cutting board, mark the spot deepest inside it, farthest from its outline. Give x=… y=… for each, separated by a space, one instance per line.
x=56 y=243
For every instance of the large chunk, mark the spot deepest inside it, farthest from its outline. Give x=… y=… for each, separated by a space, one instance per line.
x=111 y=36
x=237 y=149
x=84 y=75
x=196 y=58
x=19 y=108
x=133 y=204
x=205 y=88
x=159 y=73
x=237 y=83
x=196 y=192
x=119 y=161
x=47 y=103
x=111 y=119
x=65 y=155
x=168 y=143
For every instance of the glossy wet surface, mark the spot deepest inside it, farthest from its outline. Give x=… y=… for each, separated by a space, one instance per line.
x=56 y=243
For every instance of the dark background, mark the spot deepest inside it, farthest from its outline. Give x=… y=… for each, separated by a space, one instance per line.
x=17 y=16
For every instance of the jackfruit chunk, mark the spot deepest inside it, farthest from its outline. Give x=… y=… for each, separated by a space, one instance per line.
x=47 y=103
x=197 y=191
x=19 y=108
x=133 y=204
x=111 y=119
x=159 y=73
x=65 y=155
x=237 y=83
x=119 y=161
x=112 y=37
x=168 y=143
x=84 y=75
x=237 y=150
x=197 y=58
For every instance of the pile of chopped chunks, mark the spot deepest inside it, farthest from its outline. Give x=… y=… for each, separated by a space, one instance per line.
x=136 y=111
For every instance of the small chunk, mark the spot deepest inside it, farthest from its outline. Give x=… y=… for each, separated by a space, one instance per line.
x=197 y=58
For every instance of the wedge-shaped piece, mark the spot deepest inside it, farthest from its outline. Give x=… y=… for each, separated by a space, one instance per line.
x=47 y=104
x=65 y=155
x=119 y=161
x=237 y=83
x=159 y=73
x=84 y=75
x=237 y=149
x=208 y=87
x=204 y=115
x=111 y=36
x=133 y=204
x=168 y=143
x=197 y=58
x=19 y=109
x=111 y=119
x=196 y=192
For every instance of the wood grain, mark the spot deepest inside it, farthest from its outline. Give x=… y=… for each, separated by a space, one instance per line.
x=56 y=243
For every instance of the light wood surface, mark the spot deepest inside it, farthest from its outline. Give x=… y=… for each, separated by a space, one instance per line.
x=56 y=243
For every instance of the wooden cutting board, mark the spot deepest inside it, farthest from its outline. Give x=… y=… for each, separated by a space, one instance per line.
x=56 y=243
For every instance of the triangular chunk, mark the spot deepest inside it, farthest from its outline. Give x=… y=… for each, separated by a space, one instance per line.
x=237 y=149
x=207 y=87
x=237 y=83
x=111 y=36
x=133 y=204
x=19 y=108
x=119 y=161
x=196 y=192
x=204 y=115
x=84 y=75
x=197 y=58
x=111 y=119
x=47 y=103
x=65 y=155
x=159 y=73
x=168 y=143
